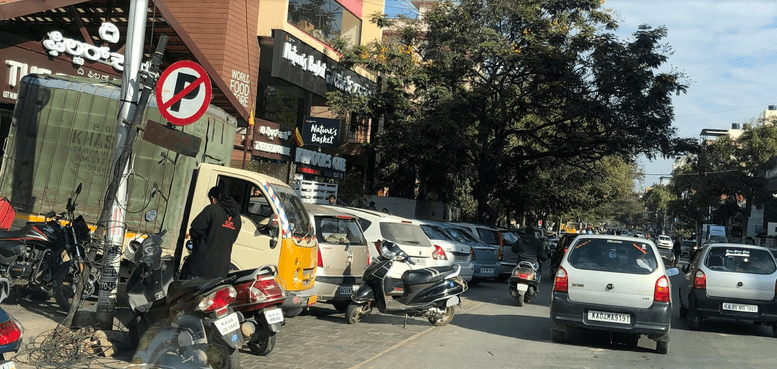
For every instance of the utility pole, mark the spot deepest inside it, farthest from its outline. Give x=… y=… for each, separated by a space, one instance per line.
x=116 y=196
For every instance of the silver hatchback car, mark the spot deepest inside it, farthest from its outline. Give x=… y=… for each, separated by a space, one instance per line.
x=730 y=281
x=615 y=284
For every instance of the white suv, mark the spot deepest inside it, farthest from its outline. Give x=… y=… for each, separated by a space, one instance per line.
x=616 y=284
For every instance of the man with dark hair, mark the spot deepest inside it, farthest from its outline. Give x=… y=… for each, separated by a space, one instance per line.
x=213 y=232
x=530 y=249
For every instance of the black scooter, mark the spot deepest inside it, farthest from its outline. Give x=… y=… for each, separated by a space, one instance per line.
x=180 y=321
x=523 y=282
x=429 y=292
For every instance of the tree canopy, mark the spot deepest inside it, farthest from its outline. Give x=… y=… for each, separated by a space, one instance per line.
x=478 y=96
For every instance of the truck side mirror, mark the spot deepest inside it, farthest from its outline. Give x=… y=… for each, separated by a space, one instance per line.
x=274 y=228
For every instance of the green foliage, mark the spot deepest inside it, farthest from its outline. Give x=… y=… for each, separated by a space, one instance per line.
x=480 y=97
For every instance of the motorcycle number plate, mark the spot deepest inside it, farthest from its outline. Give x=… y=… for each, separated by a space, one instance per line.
x=273 y=316
x=522 y=287
x=227 y=324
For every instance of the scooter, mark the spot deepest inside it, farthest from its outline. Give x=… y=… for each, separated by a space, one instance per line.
x=11 y=331
x=177 y=321
x=391 y=286
x=259 y=297
x=523 y=282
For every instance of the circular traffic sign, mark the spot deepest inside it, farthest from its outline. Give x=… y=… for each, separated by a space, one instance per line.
x=183 y=92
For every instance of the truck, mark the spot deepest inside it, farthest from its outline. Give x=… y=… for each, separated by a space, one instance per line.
x=63 y=134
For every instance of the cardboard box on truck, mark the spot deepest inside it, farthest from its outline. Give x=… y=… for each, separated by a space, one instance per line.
x=63 y=134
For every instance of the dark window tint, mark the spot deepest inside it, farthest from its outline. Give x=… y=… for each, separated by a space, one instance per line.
x=435 y=233
x=621 y=256
x=488 y=236
x=740 y=260
x=404 y=233
x=461 y=235
x=333 y=230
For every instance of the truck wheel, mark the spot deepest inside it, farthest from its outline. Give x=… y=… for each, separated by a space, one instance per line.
x=355 y=312
x=263 y=340
x=446 y=318
x=557 y=335
x=662 y=347
x=341 y=306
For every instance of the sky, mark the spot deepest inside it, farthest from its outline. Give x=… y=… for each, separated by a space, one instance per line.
x=727 y=48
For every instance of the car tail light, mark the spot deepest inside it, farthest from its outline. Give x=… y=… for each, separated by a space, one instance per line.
x=9 y=332
x=218 y=300
x=561 y=283
x=525 y=275
x=662 y=292
x=265 y=288
x=472 y=252
x=439 y=253
x=320 y=260
x=700 y=280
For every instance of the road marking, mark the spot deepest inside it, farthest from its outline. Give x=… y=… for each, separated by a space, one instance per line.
x=405 y=341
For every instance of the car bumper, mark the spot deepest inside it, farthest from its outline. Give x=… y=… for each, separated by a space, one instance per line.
x=336 y=288
x=486 y=270
x=654 y=321
x=299 y=299
x=507 y=267
x=701 y=304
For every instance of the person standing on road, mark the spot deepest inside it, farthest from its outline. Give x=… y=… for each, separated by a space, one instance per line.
x=213 y=232
x=530 y=249
x=677 y=249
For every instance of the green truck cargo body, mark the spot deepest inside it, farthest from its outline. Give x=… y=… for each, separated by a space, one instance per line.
x=63 y=133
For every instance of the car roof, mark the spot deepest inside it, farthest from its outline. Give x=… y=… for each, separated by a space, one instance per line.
x=370 y=214
x=322 y=210
x=612 y=237
x=740 y=245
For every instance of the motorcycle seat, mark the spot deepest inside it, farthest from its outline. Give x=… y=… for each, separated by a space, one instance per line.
x=12 y=235
x=426 y=275
x=181 y=287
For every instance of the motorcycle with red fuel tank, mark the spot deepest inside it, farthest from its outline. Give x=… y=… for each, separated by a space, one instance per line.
x=259 y=297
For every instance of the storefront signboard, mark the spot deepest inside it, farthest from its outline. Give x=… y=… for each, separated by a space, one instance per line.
x=321 y=131
x=271 y=140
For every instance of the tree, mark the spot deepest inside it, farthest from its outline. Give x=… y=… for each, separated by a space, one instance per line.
x=483 y=92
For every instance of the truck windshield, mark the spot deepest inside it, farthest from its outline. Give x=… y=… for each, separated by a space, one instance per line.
x=299 y=222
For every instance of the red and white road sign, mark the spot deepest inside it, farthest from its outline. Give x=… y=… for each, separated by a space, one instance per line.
x=183 y=92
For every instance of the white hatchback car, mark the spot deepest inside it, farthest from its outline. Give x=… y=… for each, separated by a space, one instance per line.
x=406 y=233
x=616 y=284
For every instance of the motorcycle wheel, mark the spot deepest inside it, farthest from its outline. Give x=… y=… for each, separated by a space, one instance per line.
x=355 y=312
x=263 y=340
x=446 y=318
x=519 y=298
x=221 y=356
x=66 y=283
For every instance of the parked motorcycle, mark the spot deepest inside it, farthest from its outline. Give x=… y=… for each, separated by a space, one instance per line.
x=523 y=282
x=394 y=288
x=33 y=255
x=259 y=297
x=180 y=321
x=11 y=331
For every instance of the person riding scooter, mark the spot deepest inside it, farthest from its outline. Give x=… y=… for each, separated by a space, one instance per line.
x=530 y=249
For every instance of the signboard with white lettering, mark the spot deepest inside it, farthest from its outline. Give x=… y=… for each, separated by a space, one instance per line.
x=271 y=140
x=319 y=159
x=299 y=63
x=321 y=131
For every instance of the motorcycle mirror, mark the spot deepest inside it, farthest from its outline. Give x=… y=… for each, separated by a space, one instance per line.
x=150 y=215
x=189 y=245
x=51 y=214
x=78 y=189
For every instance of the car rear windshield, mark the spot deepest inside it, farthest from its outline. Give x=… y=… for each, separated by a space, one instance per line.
x=740 y=260
x=340 y=231
x=435 y=233
x=404 y=233
x=613 y=255
x=488 y=236
x=462 y=235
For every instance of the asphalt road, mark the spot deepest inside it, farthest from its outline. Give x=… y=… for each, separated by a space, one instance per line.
x=489 y=331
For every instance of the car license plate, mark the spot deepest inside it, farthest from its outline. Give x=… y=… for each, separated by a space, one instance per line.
x=7 y=365
x=346 y=290
x=522 y=287
x=460 y=257
x=602 y=316
x=487 y=270
x=740 y=307
x=227 y=324
x=273 y=316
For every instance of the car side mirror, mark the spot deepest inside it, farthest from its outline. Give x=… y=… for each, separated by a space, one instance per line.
x=274 y=228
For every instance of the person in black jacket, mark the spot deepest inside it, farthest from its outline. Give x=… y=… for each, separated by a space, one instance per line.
x=677 y=249
x=213 y=232
x=530 y=249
